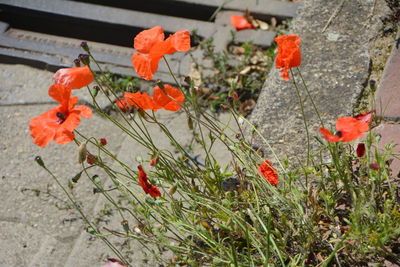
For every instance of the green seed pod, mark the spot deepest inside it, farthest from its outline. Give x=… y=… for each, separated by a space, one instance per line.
x=82 y=152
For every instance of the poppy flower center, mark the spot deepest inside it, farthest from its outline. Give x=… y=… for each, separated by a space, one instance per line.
x=339 y=134
x=61 y=117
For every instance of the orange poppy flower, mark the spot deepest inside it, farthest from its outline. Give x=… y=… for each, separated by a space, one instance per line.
x=139 y=100
x=168 y=98
x=241 y=23
x=144 y=183
x=347 y=129
x=269 y=172
x=153 y=47
x=289 y=55
x=74 y=78
x=59 y=122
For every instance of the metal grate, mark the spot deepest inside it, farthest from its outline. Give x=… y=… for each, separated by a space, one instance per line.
x=47 y=33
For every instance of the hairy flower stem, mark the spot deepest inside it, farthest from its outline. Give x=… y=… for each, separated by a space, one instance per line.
x=173 y=76
x=304 y=117
x=78 y=208
x=311 y=98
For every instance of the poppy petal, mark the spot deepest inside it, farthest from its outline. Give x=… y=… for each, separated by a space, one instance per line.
x=269 y=172
x=365 y=117
x=146 y=39
x=84 y=111
x=42 y=129
x=180 y=41
x=289 y=54
x=74 y=78
x=60 y=93
x=351 y=128
x=145 y=65
x=150 y=189
x=170 y=98
x=71 y=122
x=328 y=136
x=122 y=103
x=63 y=136
x=240 y=22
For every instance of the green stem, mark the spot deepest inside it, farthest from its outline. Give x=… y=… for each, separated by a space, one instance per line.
x=311 y=98
x=304 y=116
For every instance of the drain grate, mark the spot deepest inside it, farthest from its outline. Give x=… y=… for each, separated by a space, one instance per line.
x=47 y=33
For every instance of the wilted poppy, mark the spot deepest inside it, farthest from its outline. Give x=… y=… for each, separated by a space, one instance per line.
x=144 y=183
x=269 y=172
x=139 y=100
x=347 y=129
x=289 y=55
x=153 y=47
x=240 y=22
x=168 y=98
x=59 y=122
x=74 y=78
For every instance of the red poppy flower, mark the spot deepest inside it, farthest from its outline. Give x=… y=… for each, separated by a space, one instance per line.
x=153 y=47
x=347 y=129
x=74 y=78
x=123 y=105
x=144 y=183
x=59 y=122
x=269 y=172
x=139 y=100
x=289 y=55
x=168 y=98
x=241 y=23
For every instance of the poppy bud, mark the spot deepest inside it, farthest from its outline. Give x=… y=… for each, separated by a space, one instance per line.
x=82 y=152
x=374 y=166
x=160 y=84
x=188 y=80
x=76 y=178
x=91 y=230
x=235 y=96
x=103 y=141
x=84 y=59
x=190 y=123
x=172 y=190
x=85 y=46
x=95 y=91
x=372 y=84
x=39 y=161
x=91 y=159
x=153 y=161
x=360 y=151
x=77 y=62
x=125 y=225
